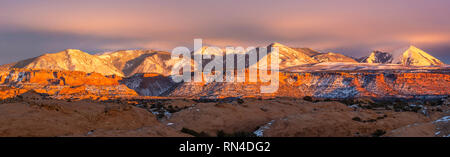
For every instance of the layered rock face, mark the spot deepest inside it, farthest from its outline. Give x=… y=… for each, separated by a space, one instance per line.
x=364 y=84
x=149 y=84
x=330 y=85
x=64 y=84
x=345 y=84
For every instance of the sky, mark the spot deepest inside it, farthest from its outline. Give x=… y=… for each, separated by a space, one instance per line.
x=29 y=28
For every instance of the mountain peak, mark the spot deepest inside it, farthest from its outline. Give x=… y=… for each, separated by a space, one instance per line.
x=209 y=50
x=331 y=53
x=412 y=47
x=407 y=56
x=308 y=51
x=68 y=52
x=333 y=57
x=70 y=59
x=291 y=57
x=417 y=57
x=415 y=49
x=277 y=44
x=73 y=51
x=378 y=57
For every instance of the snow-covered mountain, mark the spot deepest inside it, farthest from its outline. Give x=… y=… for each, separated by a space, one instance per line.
x=378 y=57
x=156 y=62
x=287 y=56
x=131 y=62
x=70 y=59
x=123 y=60
x=333 y=57
x=408 y=56
x=290 y=57
x=121 y=63
x=205 y=50
x=308 y=51
x=416 y=57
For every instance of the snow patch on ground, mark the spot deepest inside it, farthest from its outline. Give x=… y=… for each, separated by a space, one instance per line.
x=260 y=131
x=437 y=133
x=443 y=119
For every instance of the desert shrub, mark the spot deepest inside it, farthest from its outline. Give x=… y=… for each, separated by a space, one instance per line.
x=264 y=109
x=243 y=134
x=356 y=119
x=434 y=102
x=401 y=106
x=378 y=133
x=382 y=117
x=160 y=116
x=194 y=133
x=221 y=133
x=347 y=102
x=415 y=109
x=240 y=101
x=308 y=98
x=371 y=120
x=172 y=109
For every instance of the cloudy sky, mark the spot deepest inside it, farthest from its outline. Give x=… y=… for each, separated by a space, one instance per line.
x=29 y=28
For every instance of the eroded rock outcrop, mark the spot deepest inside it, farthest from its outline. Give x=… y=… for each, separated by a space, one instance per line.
x=331 y=85
x=325 y=84
x=149 y=84
x=62 y=83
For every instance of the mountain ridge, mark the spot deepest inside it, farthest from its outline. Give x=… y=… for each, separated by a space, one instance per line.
x=411 y=56
x=69 y=59
x=129 y=62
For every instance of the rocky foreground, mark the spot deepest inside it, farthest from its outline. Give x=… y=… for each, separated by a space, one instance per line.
x=34 y=114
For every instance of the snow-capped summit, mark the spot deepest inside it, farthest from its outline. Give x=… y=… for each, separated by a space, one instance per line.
x=408 y=56
x=290 y=57
x=287 y=56
x=206 y=50
x=333 y=57
x=308 y=51
x=73 y=51
x=416 y=57
x=131 y=62
x=124 y=60
x=70 y=59
x=378 y=57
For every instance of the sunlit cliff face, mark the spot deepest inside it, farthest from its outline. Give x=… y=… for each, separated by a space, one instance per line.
x=337 y=85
